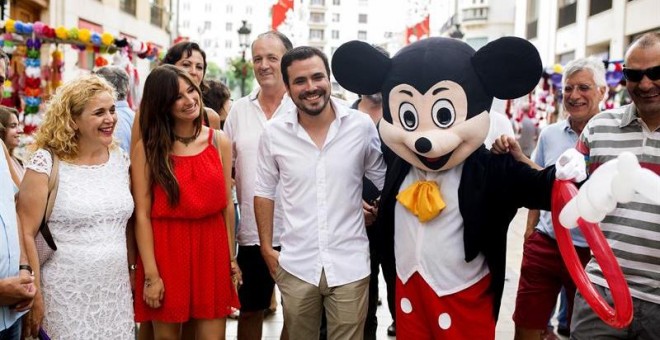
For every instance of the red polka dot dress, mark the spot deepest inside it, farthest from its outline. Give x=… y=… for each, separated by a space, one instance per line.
x=190 y=244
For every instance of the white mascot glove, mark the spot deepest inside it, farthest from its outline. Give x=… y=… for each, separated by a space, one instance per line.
x=616 y=181
x=571 y=166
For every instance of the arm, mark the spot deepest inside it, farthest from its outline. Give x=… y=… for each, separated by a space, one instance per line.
x=14 y=176
x=32 y=200
x=131 y=249
x=508 y=144
x=532 y=220
x=140 y=178
x=214 y=118
x=264 y=210
x=373 y=160
x=136 y=134
x=228 y=213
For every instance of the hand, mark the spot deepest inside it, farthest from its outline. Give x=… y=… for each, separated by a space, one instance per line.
x=571 y=166
x=508 y=144
x=16 y=289
x=26 y=303
x=370 y=213
x=236 y=274
x=33 y=319
x=154 y=291
x=272 y=258
x=528 y=233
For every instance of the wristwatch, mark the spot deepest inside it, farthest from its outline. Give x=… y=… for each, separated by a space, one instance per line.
x=26 y=267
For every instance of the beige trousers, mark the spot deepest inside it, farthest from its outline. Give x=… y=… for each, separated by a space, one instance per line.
x=345 y=307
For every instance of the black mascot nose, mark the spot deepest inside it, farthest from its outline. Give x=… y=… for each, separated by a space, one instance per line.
x=423 y=145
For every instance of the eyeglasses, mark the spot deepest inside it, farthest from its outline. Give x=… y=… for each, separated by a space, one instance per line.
x=636 y=75
x=582 y=88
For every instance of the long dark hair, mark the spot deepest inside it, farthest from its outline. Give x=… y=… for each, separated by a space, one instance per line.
x=156 y=124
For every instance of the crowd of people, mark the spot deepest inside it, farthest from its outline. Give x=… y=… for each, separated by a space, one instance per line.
x=143 y=227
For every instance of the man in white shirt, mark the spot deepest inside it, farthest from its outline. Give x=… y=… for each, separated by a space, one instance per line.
x=318 y=154
x=244 y=124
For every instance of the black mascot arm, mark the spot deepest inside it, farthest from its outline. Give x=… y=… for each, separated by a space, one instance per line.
x=359 y=67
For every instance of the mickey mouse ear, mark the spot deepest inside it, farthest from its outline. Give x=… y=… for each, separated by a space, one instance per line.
x=359 y=67
x=508 y=67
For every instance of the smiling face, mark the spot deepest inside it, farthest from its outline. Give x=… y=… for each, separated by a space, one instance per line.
x=194 y=65
x=582 y=96
x=267 y=53
x=309 y=85
x=96 y=123
x=646 y=92
x=431 y=130
x=187 y=104
x=13 y=132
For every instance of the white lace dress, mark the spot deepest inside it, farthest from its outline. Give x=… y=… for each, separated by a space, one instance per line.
x=85 y=284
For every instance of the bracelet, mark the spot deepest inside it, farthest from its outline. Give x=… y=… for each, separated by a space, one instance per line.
x=132 y=267
x=26 y=267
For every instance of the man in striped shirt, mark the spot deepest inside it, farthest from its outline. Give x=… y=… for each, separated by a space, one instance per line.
x=632 y=229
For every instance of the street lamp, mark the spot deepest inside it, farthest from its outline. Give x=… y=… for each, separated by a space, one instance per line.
x=243 y=39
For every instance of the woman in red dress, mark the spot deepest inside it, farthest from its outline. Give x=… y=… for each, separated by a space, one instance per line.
x=181 y=174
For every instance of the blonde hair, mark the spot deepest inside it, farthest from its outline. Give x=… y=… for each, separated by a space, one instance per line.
x=56 y=131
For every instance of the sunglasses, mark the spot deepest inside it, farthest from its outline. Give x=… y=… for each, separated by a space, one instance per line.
x=636 y=75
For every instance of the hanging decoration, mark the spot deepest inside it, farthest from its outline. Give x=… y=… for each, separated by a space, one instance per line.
x=32 y=88
x=80 y=38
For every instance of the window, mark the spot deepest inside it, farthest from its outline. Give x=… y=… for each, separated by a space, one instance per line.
x=315 y=34
x=362 y=18
x=128 y=6
x=335 y=34
x=208 y=7
x=227 y=43
x=333 y=50
x=318 y=2
x=186 y=24
x=207 y=25
x=186 y=6
x=229 y=27
x=230 y=9
x=335 y=17
x=317 y=17
x=596 y=7
x=248 y=10
x=362 y=35
x=336 y=2
x=567 y=13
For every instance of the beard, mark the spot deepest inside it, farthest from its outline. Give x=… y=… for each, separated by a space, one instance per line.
x=312 y=111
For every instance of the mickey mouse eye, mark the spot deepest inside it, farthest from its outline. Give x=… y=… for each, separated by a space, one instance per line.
x=443 y=113
x=408 y=116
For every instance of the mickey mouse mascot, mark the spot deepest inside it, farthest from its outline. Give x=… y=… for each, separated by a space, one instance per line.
x=447 y=201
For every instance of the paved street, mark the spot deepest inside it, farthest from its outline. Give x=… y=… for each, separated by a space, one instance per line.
x=505 y=328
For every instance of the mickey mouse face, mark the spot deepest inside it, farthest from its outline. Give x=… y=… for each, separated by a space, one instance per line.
x=431 y=130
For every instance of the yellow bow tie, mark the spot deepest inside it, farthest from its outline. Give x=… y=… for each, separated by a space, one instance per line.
x=423 y=199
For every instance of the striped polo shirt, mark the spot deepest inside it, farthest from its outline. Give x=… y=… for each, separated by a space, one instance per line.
x=632 y=229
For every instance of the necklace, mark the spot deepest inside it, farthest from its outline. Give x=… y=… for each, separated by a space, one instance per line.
x=186 y=140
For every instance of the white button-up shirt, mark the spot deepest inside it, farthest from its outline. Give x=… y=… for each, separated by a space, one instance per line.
x=321 y=193
x=244 y=124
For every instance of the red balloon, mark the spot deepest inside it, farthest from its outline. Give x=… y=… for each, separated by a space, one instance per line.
x=621 y=315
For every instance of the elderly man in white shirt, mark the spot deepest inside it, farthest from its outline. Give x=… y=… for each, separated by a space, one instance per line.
x=246 y=121
x=318 y=153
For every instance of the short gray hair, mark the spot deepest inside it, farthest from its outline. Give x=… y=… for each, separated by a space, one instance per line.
x=117 y=77
x=592 y=64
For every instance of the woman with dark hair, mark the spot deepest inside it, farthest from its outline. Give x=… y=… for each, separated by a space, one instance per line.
x=10 y=131
x=190 y=57
x=184 y=225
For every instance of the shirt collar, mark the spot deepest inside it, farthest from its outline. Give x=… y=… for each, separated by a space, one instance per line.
x=629 y=116
x=121 y=103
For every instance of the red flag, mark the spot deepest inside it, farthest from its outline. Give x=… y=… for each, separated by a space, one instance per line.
x=419 y=30
x=279 y=12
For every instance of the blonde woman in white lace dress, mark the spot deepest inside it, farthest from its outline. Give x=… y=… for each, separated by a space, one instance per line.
x=83 y=290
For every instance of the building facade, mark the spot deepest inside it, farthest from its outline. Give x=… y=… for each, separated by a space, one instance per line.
x=563 y=30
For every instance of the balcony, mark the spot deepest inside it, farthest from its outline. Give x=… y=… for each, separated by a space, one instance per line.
x=317 y=20
x=566 y=15
x=475 y=16
x=127 y=6
x=317 y=5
